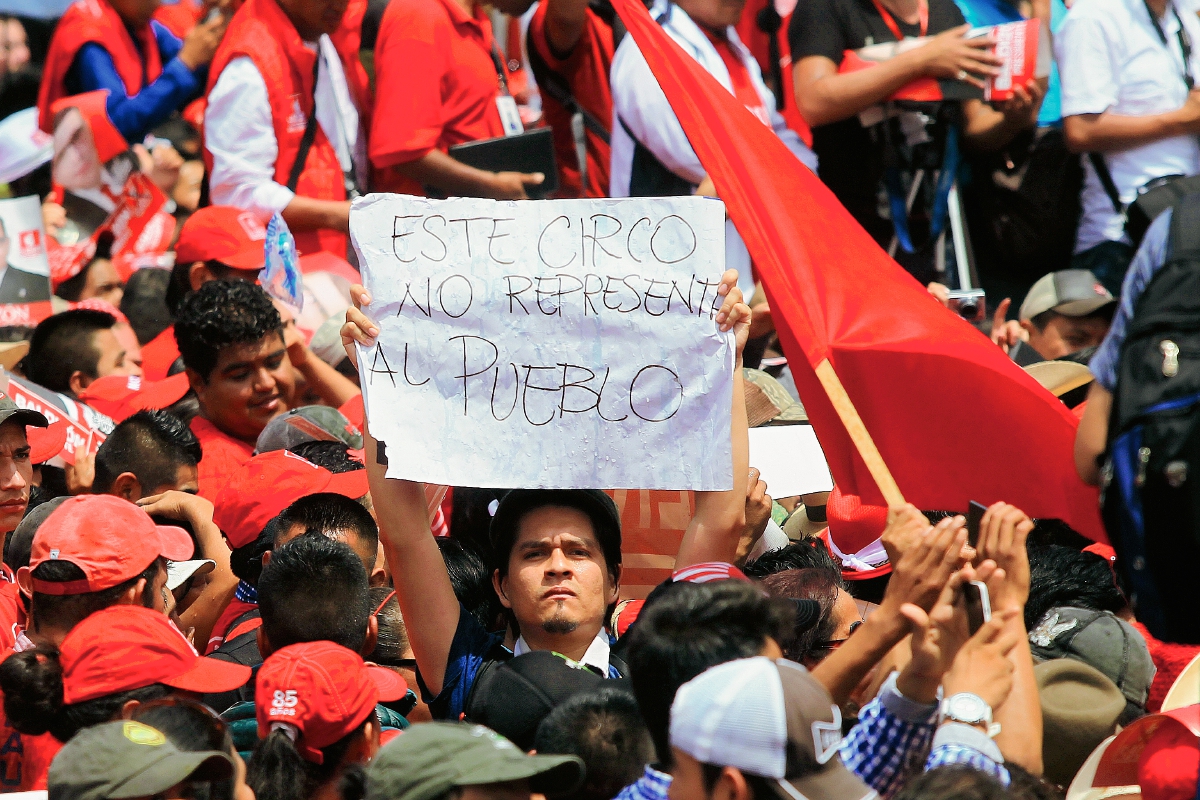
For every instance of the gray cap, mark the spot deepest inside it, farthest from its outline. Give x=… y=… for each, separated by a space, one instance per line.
x=1070 y=292
x=429 y=760
x=1101 y=640
x=9 y=410
x=128 y=759
x=308 y=424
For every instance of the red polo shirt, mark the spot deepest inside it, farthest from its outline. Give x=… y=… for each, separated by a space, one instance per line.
x=435 y=85
x=585 y=70
x=221 y=456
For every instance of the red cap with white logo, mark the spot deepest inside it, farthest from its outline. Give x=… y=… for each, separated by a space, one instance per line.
x=319 y=692
x=235 y=237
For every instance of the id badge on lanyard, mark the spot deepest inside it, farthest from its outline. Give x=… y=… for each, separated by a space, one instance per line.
x=506 y=104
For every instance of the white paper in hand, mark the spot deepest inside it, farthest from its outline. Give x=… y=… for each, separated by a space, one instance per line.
x=547 y=344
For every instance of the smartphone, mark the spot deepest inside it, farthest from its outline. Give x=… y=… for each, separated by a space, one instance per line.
x=978 y=605
x=974 y=520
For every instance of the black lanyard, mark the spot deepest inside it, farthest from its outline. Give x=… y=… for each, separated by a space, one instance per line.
x=1185 y=43
x=501 y=73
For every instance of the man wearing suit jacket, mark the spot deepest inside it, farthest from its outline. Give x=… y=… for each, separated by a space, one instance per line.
x=17 y=285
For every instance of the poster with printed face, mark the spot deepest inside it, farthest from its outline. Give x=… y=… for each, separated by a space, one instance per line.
x=547 y=344
x=25 y=280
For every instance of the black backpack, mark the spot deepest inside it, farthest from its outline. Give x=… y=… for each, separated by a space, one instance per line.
x=1151 y=495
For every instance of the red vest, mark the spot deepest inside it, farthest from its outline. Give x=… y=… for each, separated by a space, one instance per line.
x=95 y=21
x=261 y=31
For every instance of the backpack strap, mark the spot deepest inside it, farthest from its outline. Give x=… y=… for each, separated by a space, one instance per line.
x=1184 y=241
x=557 y=87
x=1106 y=180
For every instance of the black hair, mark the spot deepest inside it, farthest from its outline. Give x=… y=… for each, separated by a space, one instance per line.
x=153 y=445
x=314 y=589
x=179 y=286
x=220 y=314
x=1024 y=785
x=1063 y=576
x=328 y=513
x=246 y=561
x=191 y=728
x=63 y=344
x=802 y=554
x=72 y=288
x=144 y=303
x=391 y=644
x=689 y=627
x=471 y=580
x=1105 y=313
x=817 y=584
x=954 y=782
x=33 y=697
x=333 y=456
x=605 y=729
x=277 y=771
x=65 y=611
x=506 y=526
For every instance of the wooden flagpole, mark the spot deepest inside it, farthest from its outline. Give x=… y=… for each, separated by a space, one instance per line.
x=858 y=433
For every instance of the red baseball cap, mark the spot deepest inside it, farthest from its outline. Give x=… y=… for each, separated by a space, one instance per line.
x=322 y=690
x=708 y=572
x=853 y=536
x=235 y=237
x=269 y=483
x=110 y=539
x=1157 y=752
x=122 y=396
x=128 y=647
x=46 y=443
x=94 y=108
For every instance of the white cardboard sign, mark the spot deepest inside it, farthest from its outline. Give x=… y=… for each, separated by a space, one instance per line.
x=547 y=344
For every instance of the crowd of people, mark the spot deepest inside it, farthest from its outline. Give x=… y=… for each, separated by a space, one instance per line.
x=210 y=588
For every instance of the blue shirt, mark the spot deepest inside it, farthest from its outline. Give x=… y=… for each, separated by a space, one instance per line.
x=1148 y=260
x=471 y=648
x=134 y=116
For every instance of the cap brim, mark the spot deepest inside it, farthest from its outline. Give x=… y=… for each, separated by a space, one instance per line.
x=46 y=443
x=1186 y=689
x=867 y=574
x=251 y=257
x=26 y=416
x=203 y=765
x=210 y=676
x=835 y=782
x=352 y=484
x=178 y=572
x=390 y=685
x=174 y=543
x=160 y=394
x=1081 y=308
x=548 y=775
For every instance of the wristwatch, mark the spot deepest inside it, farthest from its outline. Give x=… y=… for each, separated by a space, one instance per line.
x=969 y=709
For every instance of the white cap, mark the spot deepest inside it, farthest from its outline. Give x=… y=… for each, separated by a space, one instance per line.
x=23 y=145
x=745 y=713
x=178 y=572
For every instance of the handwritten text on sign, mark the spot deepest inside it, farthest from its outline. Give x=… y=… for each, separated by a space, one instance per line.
x=555 y=344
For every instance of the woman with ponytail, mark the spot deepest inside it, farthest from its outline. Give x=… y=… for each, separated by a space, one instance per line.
x=107 y=665
x=316 y=719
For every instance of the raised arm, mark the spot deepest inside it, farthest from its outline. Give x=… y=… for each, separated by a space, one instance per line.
x=716 y=527
x=423 y=588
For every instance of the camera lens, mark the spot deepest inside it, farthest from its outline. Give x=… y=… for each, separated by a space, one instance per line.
x=969 y=310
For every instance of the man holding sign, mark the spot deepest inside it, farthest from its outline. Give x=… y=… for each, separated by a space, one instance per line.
x=557 y=547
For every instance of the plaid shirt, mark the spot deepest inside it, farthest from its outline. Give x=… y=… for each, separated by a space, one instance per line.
x=653 y=785
x=893 y=737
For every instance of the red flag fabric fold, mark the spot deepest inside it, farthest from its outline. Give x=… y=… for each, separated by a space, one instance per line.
x=954 y=418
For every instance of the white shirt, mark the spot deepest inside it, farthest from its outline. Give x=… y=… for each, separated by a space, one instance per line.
x=639 y=102
x=241 y=138
x=595 y=657
x=1111 y=59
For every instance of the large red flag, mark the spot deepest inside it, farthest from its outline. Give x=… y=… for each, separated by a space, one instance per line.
x=954 y=419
